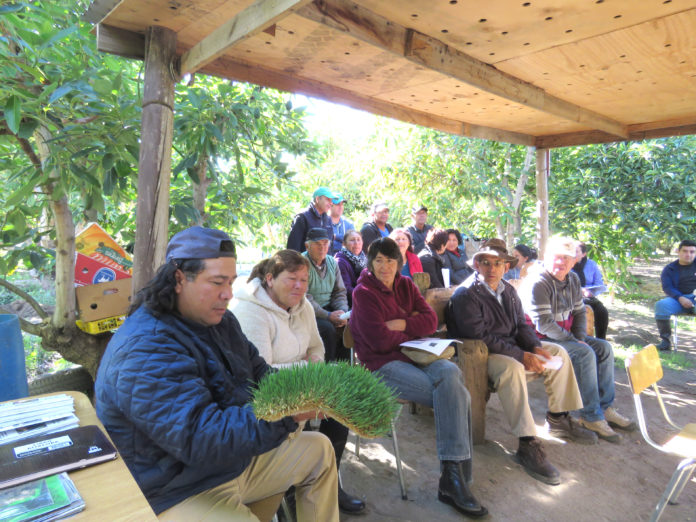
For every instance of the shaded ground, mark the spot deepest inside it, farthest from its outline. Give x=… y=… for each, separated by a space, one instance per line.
x=605 y=482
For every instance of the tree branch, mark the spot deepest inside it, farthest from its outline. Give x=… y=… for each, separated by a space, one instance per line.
x=26 y=326
x=29 y=299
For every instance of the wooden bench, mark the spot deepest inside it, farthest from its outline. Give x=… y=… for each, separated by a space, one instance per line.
x=472 y=358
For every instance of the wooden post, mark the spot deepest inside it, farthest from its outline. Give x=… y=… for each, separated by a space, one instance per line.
x=154 y=169
x=543 y=161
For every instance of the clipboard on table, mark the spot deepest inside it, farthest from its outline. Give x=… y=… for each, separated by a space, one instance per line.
x=36 y=457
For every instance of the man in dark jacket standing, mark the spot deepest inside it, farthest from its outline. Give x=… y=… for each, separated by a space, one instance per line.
x=315 y=215
x=378 y=227
x=679 y=284
x=419 y=228
x=174 y=389
x=486 y=307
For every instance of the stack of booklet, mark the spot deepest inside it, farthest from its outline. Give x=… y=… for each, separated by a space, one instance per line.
x=26 y=418
x=49 y=498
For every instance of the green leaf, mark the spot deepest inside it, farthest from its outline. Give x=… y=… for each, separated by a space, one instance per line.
x=60 y=92
x=84 y=175
x=21 y=194
x=12 y=8
x=107 y=161
x=16 y=217
x=13 y=113
x=27 y=128
x=102 y=86
x=59 y=36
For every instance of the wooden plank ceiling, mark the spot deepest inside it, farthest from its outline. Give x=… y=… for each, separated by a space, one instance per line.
x=546 y=73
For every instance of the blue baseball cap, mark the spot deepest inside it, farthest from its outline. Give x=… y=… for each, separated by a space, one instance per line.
x=200 y=243
x=338 y=198
x=323 y=191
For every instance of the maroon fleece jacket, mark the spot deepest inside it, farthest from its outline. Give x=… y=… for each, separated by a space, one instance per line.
x=373 y=305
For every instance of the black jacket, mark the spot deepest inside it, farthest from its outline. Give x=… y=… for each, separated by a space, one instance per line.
x=303 y=221
x=370 y=232
x=432 y=264
x=474 y=313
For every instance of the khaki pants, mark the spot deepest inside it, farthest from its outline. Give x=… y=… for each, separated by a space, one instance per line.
x=307 y=462
x=510 y=380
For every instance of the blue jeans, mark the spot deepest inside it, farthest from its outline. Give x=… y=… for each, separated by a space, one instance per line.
x=668 y=306
x=593 y=364
x=439 y=385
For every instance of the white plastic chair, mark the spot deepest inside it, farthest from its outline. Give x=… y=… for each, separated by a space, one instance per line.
x=645 y=370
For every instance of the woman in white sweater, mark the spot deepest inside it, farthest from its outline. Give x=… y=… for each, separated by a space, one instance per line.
x=277 y=318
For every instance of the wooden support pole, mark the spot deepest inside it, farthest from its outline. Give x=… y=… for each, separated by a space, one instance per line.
x=154 y=169
x=543 y=162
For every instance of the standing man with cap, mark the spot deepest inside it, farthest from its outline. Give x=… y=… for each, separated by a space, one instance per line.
x=378 y=226
x=174 y=390
x=326 y=292
x=419 y=229
x=486 y=307
x=679 y=284
x=339 y=224
x=552 y=298
x=316 y=215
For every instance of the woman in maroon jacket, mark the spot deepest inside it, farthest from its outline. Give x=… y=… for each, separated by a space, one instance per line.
x=387 y=311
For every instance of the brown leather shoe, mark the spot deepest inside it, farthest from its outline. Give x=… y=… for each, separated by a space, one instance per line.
x=530 y=455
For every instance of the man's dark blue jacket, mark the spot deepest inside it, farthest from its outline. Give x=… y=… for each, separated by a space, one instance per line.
x=309 y=218
x=177 y=406
x=670 y=279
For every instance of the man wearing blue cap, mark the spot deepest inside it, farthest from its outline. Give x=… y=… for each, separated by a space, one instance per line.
x=315 y=216
x=339 y=224
x=174 y=389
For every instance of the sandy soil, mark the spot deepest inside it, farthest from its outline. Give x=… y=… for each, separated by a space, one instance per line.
x=604 y=482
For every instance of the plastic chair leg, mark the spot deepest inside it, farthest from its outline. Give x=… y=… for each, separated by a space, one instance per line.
x=675 y=337
x=685 y=467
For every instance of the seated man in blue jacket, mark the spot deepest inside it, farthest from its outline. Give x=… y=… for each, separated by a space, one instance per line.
x=174 y=390
x=679 y=283
x=486 y=307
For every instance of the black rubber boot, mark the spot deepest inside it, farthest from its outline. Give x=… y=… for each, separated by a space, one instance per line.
x=454 y=491
x=664 y=326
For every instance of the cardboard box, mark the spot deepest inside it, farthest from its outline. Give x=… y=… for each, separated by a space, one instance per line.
x=89 y=271
x=104 y=300
x=94 y=242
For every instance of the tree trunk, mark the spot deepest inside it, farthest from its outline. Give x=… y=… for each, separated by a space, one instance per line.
x=64 y=314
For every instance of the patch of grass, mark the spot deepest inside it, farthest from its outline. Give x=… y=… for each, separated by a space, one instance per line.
x=636 y=297
x=673 y=360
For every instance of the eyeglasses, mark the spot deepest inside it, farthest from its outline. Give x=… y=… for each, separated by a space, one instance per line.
x=497 y=263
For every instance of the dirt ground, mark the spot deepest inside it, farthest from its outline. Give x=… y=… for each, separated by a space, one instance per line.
x=604 y=482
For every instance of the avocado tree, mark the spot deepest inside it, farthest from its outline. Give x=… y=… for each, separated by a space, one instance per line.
x=69 y=147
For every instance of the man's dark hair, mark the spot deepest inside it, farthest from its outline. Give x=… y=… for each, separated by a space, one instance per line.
x=583 y=248
x=388 y=248
x=159 y=294
x=687 y=242
x=456 y=233
x=436 y=239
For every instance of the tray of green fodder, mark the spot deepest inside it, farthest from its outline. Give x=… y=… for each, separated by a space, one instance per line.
x=350 y=394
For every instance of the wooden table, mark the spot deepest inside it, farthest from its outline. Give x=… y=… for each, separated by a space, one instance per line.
x=108 y=489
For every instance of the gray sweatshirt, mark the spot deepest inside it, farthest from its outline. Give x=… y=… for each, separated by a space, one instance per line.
x=548 y=302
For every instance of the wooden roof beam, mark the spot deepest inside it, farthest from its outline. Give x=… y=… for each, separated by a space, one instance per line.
x=635 y=133
x=250 y=21
x=241 y=71
x=365 y=25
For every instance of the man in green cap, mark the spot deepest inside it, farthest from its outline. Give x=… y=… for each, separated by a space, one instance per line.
x=315 y=216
